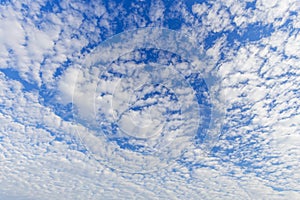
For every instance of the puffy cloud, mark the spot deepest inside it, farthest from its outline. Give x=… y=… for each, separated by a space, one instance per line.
x=54 y=65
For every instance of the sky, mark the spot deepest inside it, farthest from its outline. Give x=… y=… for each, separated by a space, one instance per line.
x=149 y=99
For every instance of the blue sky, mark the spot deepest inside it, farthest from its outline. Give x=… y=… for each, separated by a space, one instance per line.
x=149 y=99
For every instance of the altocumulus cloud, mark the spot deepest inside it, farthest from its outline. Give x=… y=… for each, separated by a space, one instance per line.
x=250 y=48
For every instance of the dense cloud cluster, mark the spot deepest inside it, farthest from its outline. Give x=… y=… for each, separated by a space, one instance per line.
x=227 y=71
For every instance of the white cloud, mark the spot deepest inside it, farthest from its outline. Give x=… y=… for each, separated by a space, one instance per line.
x=199 y=9
x=42 y=158
x=291 y=49
x=156 y=11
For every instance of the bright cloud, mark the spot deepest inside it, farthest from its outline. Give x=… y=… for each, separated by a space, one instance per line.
x=149 y=100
